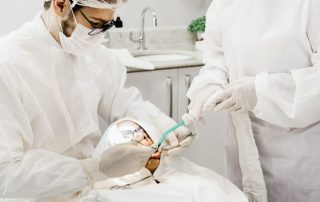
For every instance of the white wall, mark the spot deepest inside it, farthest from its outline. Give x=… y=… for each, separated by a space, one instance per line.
x=169 y=12
x=14 y=13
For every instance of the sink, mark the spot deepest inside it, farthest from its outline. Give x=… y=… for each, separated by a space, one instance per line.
x=164 y=56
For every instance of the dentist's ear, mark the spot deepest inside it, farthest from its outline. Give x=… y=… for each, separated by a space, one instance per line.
x=61 y=7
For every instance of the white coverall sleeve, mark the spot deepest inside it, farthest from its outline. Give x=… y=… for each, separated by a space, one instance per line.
x=215 y=71
x=128 y=102
x=293 y=99
x=27 y=173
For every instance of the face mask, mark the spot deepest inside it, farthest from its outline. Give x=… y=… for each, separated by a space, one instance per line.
x=80 y=43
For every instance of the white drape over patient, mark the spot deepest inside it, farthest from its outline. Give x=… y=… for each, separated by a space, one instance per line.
x=180 y=179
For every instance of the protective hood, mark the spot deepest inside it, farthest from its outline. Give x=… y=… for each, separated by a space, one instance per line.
x=113 y=135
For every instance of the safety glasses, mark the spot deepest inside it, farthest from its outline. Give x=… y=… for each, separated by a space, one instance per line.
x=97 y=28
x=130 y=134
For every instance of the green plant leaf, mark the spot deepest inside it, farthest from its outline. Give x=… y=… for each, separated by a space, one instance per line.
x=198 y=25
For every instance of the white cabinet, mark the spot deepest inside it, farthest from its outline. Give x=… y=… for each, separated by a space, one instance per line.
x=167 y=90
x=158 y=87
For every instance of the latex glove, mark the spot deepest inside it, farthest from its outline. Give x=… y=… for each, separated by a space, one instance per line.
x=197 y=104
x=238 y=97
x=178 y=142
x=117 y=161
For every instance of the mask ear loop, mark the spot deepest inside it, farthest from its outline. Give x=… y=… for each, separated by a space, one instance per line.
x=74 y=17
x=71 y=10
x=60 y=24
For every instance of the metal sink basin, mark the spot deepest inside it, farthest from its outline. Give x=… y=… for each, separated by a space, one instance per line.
x=164 y=55
x=163 y=58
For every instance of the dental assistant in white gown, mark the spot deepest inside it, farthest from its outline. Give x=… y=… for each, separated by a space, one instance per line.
x=263 y=57
x=55 y=80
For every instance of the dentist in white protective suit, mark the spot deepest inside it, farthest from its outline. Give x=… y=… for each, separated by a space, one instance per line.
x=263 y=59
x=55 y=79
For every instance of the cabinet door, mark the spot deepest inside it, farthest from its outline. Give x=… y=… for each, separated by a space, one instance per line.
x=159 y=87
x=208 y=149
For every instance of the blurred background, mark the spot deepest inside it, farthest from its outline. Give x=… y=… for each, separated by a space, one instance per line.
x=14 y=13
x=168 y=62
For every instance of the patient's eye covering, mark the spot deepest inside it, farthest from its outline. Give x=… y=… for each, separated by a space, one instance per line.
x=134 y=132
x=130 y=134
x=139 y=136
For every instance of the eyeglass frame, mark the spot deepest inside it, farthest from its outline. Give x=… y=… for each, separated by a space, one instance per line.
x=108 y=25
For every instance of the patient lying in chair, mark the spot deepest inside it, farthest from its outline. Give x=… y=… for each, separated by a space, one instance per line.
x=163 y=177
x=129 y=127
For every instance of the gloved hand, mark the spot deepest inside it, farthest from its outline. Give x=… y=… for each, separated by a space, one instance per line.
x=239 y=96
x=117 y=161
x=178 y=142
x=197 y=104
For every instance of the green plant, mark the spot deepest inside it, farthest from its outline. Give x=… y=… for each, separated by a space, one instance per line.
x=198 y=25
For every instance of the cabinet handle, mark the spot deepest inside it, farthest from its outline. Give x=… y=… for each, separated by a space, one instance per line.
x=170 y=88
x=188 y=84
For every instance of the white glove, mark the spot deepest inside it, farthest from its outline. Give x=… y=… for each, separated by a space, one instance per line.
x=119 y=160
x=178 y=142
x=184 y=137
x=197 y=103
x=239 y=96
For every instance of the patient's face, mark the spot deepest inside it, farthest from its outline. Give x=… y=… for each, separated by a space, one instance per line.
x=133 y=129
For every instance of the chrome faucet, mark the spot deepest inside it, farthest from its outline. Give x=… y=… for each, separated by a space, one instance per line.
x=141 y=38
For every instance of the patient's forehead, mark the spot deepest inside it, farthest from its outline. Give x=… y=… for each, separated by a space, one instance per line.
x=127 y=125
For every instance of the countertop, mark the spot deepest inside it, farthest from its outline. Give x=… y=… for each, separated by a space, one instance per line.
x=194 y=61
